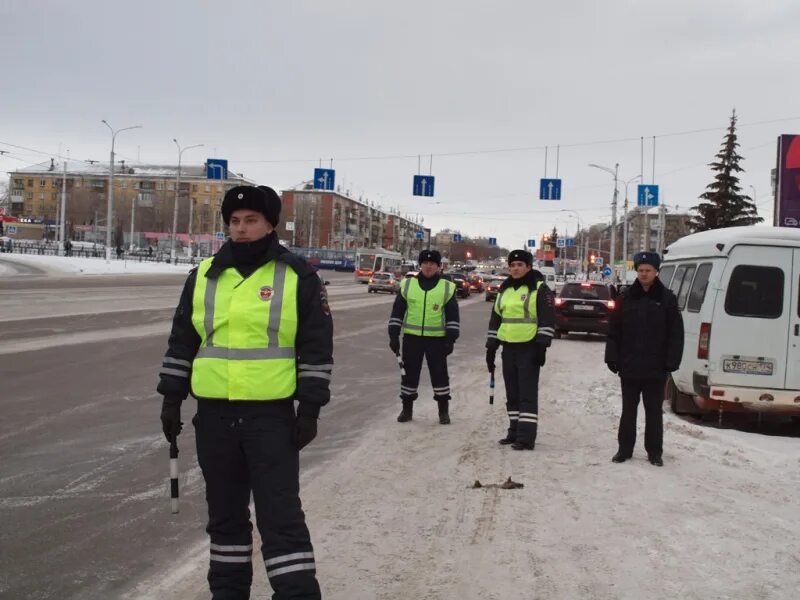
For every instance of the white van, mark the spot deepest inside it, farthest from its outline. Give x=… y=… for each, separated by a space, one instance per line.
x=738 y=291
x=549 y=274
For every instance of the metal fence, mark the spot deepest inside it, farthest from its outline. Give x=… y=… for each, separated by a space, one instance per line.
x=43 y=249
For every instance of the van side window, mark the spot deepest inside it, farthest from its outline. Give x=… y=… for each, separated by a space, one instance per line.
x=698 y=293
x=665 y=274
x=675 y=286
x=685 y=285
x=755 y=291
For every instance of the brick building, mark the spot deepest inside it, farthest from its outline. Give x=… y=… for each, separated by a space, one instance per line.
x=327 y=219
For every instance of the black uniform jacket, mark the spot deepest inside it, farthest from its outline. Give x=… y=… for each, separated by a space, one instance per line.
x=451 y=317
x=314 y=342
x=645 y=333
x=545 y=312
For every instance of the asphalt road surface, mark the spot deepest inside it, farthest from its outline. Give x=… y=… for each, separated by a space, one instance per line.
x=83 y=478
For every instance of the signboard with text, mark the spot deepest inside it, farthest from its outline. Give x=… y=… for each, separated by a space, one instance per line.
x=787 y=191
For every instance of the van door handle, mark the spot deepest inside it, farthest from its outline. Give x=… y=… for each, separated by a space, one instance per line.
x=796 y=330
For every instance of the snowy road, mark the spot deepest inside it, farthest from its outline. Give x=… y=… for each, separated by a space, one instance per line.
x=85 y=513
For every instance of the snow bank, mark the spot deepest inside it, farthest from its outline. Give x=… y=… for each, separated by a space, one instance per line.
x=91 y=266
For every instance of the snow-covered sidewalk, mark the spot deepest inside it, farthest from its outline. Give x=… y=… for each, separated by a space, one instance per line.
x=397 y=517
x=54 y=265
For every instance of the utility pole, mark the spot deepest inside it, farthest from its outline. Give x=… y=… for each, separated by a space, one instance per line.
x=62 y=228
x=177 y=195
x=110 y=207
x=613 y=253
x=311 y=229
x=133 y=219
x=191 y=219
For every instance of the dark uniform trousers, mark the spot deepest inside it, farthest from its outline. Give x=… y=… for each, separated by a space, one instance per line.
x=432 y=349
x=521 y=377
x=652 y=394
x=243 y=446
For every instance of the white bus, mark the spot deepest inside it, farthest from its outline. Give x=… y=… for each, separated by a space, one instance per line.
x=373 y=260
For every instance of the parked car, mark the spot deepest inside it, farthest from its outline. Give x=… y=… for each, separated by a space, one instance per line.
x=463 y=289
x=383 y=282
x=411 y=274
x=493 y=288
x=584 y=307
x=476 y=282
x=738 y=291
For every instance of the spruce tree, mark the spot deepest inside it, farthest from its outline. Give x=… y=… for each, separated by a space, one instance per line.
x=724 y=205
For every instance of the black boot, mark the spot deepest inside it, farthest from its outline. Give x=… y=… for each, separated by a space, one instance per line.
x=444 y=415
x=509 y=439
x=620 y=457
x=656 y=461
x=407 y=412
x=522 y=446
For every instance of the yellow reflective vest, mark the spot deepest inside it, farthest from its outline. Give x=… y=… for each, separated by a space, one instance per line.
x=425 y=309
x=247 y=328
x=517 y=310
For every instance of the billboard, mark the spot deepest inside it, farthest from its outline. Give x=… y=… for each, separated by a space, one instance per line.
x=787 y=190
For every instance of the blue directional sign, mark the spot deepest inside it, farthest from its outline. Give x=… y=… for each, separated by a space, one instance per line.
x=570 y=242
x=420 y=235
x=220 y=236
x=531 y=243
x=493 y=241
x=607 y=271
x=216 y=168
x=598 y=260
x=11 y=229
x=561 y=243
x=323 y=179
x=423 y=185
x=456 y=237
x=648 y=195
x=549 y=189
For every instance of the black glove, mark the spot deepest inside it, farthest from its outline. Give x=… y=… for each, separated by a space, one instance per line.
x=448 y=346
x=540 y=355
x=394 y=344
x=171 y=417
x=612 y=366
x=305 y=430
x=492 y=344
x=490 y=356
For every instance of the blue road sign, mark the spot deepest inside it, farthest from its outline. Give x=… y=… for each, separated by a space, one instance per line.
x=324 y=178
x=220 y=236
x=531 y=243
x=216 y=168
x=570 y=242
x=423 y=185
x=607 y=271
x=456 y=237
x=11 y=229
x=561 y=243
x=549 y=189
x=420 y=235
x=598 y=260
x=648 y=195
x=493 y=241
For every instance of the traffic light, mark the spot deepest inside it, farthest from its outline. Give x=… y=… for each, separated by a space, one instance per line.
x=591 y=258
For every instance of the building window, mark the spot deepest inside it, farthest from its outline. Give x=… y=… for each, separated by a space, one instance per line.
x=42 y=182
x=125 y=185
x=28 y=195
x=208 y=188
x=171 y=187
x=19 y=183
x=160 y=185
x=194 y=187
x=30 y=182
x=41 y=195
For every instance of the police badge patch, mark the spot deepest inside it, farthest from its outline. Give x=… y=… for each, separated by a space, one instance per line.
x=265 y=293
x=435 y=307
x=523 y=297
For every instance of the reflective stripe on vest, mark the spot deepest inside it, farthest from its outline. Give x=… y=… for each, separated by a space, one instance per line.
x=247 y=328
x=425 y=310
x=518 y=323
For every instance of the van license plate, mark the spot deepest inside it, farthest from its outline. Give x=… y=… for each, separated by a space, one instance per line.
x=583 y=307
x=747 y=367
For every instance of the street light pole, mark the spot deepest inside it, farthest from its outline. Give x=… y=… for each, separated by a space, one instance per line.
x=625 y=230
x=615 y=173
x=577 y=233
x=110 y=206
x=177 y=195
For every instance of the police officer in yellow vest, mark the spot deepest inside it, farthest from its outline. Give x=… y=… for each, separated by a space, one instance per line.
x=251 y=334
x=426 y=312
x=522 y=321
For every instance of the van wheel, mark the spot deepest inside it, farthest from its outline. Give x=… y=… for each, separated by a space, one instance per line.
x=681 y=404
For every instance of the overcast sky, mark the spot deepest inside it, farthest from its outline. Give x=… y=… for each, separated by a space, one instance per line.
x=483 y=86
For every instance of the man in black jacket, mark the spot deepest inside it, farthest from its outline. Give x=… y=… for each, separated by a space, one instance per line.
x=426 y=313
x=523 y=320
x=644 y=344
x=251 y=334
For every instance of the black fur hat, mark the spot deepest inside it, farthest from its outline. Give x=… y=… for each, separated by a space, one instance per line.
x=261 y=199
